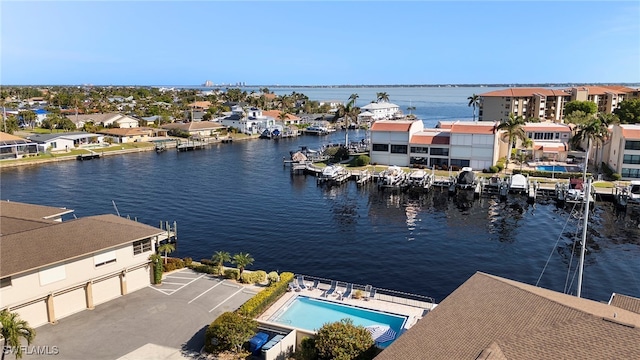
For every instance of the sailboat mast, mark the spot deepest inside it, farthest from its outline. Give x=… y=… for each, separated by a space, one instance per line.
x=587 y=194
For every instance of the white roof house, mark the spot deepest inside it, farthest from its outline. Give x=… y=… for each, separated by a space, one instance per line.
x=381 y=110
x=108 y=119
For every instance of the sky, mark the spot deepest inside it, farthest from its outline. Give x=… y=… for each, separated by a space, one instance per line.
x=318 y=42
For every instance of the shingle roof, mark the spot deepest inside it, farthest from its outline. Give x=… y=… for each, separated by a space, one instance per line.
x=60 y=241
x=489 y=317
x=625 y=302
x=8 y=139
x=30 y=211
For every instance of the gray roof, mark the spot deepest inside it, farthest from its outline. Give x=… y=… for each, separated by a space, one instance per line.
x=489 y=317
x=41 y=138
x=28 y=243
x=30 y=211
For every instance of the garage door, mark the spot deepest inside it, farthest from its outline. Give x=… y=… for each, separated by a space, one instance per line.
x=138 y=278
x=106 y=290
x=35 y=314
x=69 y=303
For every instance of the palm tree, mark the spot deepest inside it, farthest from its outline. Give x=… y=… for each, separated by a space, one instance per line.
x=593 y=132
x=282 y=116
x=166 y=248
x=219 y=258
x=353 y=98
x=242 y=260
x=12 y=328
x=410 y=109
x=474 y=100
x=382 y=97
x=513 y=130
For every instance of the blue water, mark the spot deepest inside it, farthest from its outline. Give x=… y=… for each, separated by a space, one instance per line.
x=310 y=314
x=239 y=198
x=551 y=168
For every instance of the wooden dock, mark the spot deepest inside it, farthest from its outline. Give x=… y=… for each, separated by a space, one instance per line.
x=91 y=156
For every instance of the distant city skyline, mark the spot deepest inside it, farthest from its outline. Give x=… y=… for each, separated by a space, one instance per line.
x=296 y=43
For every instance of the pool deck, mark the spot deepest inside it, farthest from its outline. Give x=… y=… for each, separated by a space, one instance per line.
x=412 y=313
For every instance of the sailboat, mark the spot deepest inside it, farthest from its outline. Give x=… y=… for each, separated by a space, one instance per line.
x=585 y=223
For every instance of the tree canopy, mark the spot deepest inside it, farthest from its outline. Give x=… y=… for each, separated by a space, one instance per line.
x=628 y=111
x=229 y=332
x=343 y=340
x=588 y=107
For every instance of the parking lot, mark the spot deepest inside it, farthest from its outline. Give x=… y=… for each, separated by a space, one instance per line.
x=166 y=322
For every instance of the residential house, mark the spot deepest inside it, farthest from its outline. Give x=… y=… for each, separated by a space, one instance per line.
x=333 y=104
x=197 y=129
x=53 y=268
x=490 y=317
x=65 y=141
x=127 y=135
x=382 y=110
x=550 y=141
x=275 y=114
x=106 y=120
x=250 y=121
x=15 y=147
x=623 y=151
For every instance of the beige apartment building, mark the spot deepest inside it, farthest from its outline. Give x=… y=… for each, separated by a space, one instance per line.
x=548 y=104
x=52 y=268
x=623 y=153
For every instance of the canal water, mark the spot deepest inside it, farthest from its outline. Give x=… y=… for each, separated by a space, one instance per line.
x=240 y=198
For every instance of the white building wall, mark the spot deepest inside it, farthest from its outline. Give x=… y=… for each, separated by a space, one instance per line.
x=35 y=313
x=105 y=290
x=69 y=303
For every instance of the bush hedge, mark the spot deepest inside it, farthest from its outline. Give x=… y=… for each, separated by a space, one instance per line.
x=207 y=269
x=273 y=277
x=257 y=304
x=253 y=277
x=494 y=169
x=360 y=160
x=228 y=332
x=173 y=264
x=548 y=174
x=232 y=274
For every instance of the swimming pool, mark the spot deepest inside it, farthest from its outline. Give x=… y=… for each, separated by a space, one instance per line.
x=310 y=314
x=555 y=168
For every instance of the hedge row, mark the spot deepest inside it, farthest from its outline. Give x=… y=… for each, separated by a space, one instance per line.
x=257 y=304
x=548 y=174
x=253 y=277
x=173 y=264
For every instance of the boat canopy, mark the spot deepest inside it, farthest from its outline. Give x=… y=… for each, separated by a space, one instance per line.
x=466 y=178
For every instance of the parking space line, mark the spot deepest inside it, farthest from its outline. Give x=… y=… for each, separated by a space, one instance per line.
x=206 y=291
x=179 y=277
x=225 y=300
x=173 y=291
x=172 y=283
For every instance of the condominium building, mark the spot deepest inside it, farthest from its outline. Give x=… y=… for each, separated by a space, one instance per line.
x=53 y=268
x=623 y=152
x=548 y=104
x=549 y=141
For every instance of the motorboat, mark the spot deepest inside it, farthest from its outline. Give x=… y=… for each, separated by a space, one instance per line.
x=466 y=179
x=418 y=178
x=575 y=193
x=333 y=172
x=519 y=183
x=392 y=176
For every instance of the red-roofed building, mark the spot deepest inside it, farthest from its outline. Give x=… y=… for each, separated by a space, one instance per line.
x=548 y=104
x=390 y=141
x=550 y=140
x=430 y=147
x=474 y=144
x=623 y=153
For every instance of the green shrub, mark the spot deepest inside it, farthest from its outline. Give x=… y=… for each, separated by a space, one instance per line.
x=177 y=263
x=273 y=277
x=248 y=278
x=208 y=262
x=207 y=269
x=360 y=160
x=494 y=169
x=500 y=166
x=156 y=261
x=228 y=332
x=616 y=176
x=342 y=340
x=187 y=261
x=306 y=350
x=232 y=274
x=261 y=276
x=257 y=304
x=169 y=267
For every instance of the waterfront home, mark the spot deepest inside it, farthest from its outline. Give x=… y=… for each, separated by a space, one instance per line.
x=197 y=128
x=622 y=154
x=382 y=110
x=489 y=317
x=65 y=141
x=127 y=135
x=548 y=104
x=452 y=144
x=248 y=121
x=53 y=268
x=550 y=141
x=275 y=114
x=106 y=120
x=200 y=105
x=15 y=147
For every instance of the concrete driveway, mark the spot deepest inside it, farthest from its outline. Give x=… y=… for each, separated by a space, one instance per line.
x=164 y=322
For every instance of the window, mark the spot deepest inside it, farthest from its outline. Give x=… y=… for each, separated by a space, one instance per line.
x=398 y=149
x=5 y=282
x=459 y=162
x=630 y=173
x=557 y=135
x=419 y=150
x=104 y=258
x=440 y=151
x=418 y=160
x=438 y=162
x=631 y=159
x=632 y=145
x=543 y=136
x=141 y=246
x=380 y=147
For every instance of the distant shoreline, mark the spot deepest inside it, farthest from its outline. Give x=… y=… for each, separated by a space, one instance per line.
x=220 y=86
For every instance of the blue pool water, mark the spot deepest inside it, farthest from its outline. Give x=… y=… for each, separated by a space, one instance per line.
x=310 y=314
x=555 y=168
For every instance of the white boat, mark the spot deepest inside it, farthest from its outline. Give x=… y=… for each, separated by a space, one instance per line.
x=518 y=183
x=575 y=193
x=466 y=179
x=392 y=176
x=333 y=173
x=418 y=178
